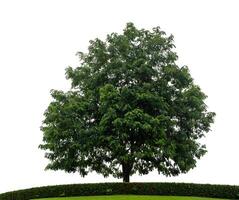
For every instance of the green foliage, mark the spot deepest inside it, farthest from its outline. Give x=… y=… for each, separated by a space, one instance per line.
x=133 y=197
x=130 y=109
x=169 y=189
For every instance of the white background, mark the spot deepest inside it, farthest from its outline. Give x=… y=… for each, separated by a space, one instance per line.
x=39 y=39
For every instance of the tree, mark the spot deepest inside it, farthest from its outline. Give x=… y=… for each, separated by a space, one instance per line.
x=130 y=109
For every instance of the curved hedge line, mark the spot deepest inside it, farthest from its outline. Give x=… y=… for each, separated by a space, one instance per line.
x=177 y=189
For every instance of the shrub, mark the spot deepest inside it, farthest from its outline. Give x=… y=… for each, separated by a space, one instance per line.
x=177 y=189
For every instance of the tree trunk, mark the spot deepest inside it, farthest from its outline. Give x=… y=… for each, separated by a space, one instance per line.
x=126 y=168
x=125 y=177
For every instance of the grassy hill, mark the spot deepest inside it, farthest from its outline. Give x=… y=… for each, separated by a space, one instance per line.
x=157 y=190
x=130 y=197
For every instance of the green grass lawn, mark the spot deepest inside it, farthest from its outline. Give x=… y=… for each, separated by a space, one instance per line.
x=129 y=197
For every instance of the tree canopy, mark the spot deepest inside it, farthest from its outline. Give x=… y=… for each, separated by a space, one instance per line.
x=131 y=109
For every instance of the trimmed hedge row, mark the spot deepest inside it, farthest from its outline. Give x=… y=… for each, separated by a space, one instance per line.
x=177 y=189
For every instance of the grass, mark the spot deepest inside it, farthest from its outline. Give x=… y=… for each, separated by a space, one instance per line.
x=129 y=197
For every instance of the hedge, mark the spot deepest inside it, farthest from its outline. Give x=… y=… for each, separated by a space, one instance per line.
x=177 y=189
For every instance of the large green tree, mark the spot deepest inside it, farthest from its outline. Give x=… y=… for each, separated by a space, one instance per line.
x=131 y=109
